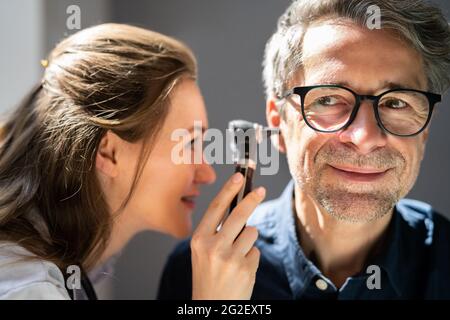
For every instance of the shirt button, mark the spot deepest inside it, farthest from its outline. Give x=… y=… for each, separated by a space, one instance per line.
x=321 y=284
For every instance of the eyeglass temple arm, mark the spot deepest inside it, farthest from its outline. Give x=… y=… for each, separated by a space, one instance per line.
x=287 y=94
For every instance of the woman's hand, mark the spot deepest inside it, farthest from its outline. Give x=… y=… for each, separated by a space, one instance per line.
x=224 y=263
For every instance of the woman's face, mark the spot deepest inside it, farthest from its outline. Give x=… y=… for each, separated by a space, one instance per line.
x=164 y=197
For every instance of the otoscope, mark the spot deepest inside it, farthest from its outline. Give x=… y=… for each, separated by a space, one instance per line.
x=246 y=138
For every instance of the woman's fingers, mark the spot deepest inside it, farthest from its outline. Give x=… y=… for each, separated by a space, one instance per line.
x=219 y=205
x=239 y=216
x=224 y=263
x=253 y=258
x=245 y=241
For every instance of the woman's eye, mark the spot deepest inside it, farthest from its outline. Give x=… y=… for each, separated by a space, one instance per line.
x=191 y=143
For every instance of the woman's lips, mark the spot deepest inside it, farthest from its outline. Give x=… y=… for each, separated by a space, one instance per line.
x=189 y=201
x=359 y=174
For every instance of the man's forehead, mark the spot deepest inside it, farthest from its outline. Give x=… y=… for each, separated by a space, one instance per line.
x=342 y=33
x=333 y=72
x=346 y=53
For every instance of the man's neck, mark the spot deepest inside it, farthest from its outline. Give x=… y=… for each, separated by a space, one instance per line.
x=340 y=249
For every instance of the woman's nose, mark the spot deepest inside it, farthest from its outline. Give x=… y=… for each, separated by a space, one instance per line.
x=205 y=174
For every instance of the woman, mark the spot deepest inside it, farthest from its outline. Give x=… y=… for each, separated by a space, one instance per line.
x=85 y=165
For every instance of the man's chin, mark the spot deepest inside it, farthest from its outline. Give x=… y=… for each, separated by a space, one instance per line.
x=356 y=207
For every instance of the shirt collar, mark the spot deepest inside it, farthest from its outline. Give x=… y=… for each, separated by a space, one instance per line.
x=299 y=269
x=409 y=234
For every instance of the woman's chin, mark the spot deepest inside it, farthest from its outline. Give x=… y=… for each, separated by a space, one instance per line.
x=180 y=231
x=181 y=234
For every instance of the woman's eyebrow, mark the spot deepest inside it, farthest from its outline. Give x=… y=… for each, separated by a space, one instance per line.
x=193 y=128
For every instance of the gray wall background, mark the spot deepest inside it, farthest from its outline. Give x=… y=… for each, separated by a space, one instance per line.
x=228 y=38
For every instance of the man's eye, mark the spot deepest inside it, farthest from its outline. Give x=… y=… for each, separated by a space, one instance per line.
x=328 y=101
x=395 y=104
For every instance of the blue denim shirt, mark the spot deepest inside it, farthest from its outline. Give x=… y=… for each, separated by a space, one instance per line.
x=413 y=260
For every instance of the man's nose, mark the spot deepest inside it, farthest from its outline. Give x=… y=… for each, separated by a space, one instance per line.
x=364 y=132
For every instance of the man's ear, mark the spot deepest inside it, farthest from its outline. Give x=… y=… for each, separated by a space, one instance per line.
x=426 y=133
x=106 y=157
x=424 y=138
x=274 y=119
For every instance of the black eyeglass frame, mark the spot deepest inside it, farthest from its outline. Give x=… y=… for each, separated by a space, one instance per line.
x=433 y=98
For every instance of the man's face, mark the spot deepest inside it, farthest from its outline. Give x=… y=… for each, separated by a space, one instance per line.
x=368 y=62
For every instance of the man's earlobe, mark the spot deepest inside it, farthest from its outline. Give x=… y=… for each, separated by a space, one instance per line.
x=105 y=160
x=274 y=119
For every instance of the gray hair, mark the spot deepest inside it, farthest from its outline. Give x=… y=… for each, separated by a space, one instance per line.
x=421 y=24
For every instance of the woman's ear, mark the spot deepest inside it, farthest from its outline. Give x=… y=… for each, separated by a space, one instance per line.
x=274 y=119
x=106 y=161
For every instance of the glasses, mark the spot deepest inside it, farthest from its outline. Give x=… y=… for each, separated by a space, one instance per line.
x=330 y=108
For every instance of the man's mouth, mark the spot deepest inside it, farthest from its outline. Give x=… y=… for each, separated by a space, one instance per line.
x=359 y=174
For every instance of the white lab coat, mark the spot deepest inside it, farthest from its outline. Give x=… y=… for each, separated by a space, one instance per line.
x=29 y=279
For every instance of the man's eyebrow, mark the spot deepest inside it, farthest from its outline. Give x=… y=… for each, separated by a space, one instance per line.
x=387 y=85
x=395 y=85
x=338 y=83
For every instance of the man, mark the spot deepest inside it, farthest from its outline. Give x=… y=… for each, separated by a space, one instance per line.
x=353 y=104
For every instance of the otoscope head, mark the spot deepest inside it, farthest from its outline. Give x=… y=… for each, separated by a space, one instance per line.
x=246 y=136
x=241 y=124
